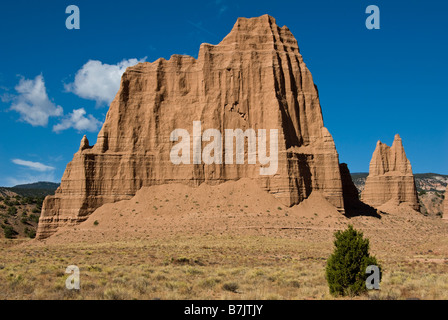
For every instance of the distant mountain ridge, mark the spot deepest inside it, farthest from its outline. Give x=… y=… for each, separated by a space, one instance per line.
x=36 y=189
x=424 y=181
x=38 y=185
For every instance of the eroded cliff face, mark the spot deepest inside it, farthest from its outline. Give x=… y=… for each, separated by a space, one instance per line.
x=390 y=177
x=254 y=79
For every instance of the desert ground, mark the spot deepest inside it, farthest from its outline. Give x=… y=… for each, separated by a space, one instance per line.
x=231 y=241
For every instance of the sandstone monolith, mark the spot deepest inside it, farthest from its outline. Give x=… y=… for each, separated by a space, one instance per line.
x=390 y=177
x=254 y=79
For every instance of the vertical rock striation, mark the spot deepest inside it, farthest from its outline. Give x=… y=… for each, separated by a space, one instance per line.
x=254 y=79
x=390 y=177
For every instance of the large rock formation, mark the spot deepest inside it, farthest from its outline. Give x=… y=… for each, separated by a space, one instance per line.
x=255 y=78
x=390 y=177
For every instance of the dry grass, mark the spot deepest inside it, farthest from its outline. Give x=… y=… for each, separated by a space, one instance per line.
x=202 y=267
x=194 y=246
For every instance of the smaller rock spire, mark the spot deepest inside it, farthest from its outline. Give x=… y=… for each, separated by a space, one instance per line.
x=390 y=176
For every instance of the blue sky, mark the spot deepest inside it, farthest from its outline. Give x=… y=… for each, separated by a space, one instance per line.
x=55 y=83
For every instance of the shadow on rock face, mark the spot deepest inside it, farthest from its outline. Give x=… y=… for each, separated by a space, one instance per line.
x=353 y=206
x=359 y=208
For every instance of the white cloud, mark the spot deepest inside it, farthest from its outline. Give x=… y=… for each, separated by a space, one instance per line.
x=37 y=166
x=33 y=103
x=98 y=81
x=78 y=121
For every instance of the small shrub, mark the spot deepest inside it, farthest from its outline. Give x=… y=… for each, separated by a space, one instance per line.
x=34 y=218
x=294 y=283
x=209 y=282
x=12 y=211
x=346 y=267
x=181 y=260
x=230 y=286
x=30 y=233
x=95 y=223
x=94 y=268
x=9 y=232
